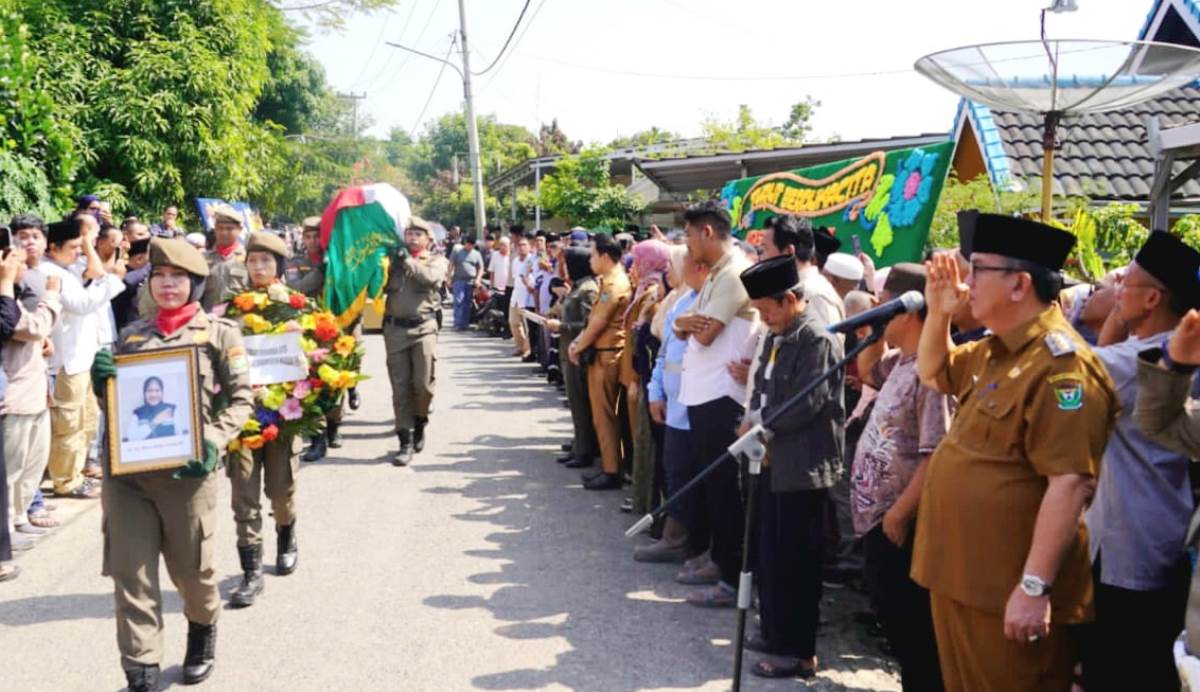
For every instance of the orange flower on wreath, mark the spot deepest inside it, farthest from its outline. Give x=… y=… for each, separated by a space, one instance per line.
x=344 y=346
x=326 y=328
x=244 y=302
x=270 y=433
x=297 y=301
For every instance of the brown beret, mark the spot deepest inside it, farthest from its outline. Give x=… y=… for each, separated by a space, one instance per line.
x=224 y=212
x=312 y=222
x=263 y=241
x=905 y=277
x=178 y=253
x=419 y=224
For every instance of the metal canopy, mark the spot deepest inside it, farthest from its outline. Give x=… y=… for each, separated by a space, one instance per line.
x=1060 y=78
x=1177 y=144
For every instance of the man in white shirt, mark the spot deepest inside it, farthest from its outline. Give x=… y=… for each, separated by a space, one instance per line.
x=76 y=338
x=720 y=328
x=522 y=278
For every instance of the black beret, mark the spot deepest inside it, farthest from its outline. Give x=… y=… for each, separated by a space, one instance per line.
x=63 y=231
x=139 y=247
x=1022 y=239
x=771 y=277
x=1176 y=265
x=826 y=242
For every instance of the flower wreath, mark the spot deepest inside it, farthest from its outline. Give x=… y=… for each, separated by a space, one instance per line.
x=334 y=361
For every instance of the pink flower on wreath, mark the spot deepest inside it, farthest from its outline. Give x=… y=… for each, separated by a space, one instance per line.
x=291 y=409
x=301 y=389
x=318 y=355
x=292 y=326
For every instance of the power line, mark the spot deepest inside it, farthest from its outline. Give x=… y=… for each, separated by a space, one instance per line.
x=421 y=34
x=507 y=41
x=436 y=82
x=520 y=38
x=378 y=39
x=717 y=78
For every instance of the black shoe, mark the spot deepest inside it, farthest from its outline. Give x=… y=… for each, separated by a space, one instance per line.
x=566 y=447
x=578 y=463
x=142 y=678
x=404 y=456
x=589 y=475
x=605 y=481
x=316 y=451
x=418 y=436
x=245 y=593
x=565 y=458
x=531 y=358
x=287 y=553
x=332 y=438
x=352 y=399
x=201 y=653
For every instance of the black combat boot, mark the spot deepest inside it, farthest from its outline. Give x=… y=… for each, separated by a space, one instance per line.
x=287 y=553
x=316 y=450
x=353 y=399
x=201 y=653
x=405 y=455
x=252 y=577
x=332 y=438
x=419 y=434
x=142 y=678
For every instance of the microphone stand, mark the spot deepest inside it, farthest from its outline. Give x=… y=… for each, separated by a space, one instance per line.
x=753 y=448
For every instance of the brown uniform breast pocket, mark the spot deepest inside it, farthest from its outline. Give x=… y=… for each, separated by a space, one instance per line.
x=999 y=423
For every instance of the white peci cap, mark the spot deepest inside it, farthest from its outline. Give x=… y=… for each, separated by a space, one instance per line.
x=844 y=266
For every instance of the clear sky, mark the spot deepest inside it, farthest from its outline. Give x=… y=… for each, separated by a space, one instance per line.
x=606 y=68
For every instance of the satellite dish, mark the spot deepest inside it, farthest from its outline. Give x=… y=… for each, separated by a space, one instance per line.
x=1061 y=78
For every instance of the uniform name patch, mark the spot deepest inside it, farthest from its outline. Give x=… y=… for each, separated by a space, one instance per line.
x=238 y=362
x=1069 y=395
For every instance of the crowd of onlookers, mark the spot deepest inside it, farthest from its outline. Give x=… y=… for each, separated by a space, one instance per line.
x=669 y=346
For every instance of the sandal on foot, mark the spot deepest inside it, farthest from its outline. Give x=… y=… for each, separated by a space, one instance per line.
x=9 y=572
x=719 y=596
x=43 y=520
x=759 y=644
x=784 y=667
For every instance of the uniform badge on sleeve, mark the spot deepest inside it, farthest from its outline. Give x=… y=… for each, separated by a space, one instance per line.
x=1069 y=394
x=1059 y=343
x=237 y=359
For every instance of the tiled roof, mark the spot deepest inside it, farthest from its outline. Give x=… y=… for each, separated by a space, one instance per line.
x=1103 y=155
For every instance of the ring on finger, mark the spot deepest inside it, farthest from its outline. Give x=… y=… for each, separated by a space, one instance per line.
x=1034 y=638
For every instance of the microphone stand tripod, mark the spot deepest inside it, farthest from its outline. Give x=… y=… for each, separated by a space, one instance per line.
x=753 y=448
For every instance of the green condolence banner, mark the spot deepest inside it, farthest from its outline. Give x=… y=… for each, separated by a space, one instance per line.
x=885 y=199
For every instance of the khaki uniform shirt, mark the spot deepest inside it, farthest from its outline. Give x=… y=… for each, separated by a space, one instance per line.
x=226 y=277
x=641 y=312
x=576 y=308
x=1032 y=403
x=305 y=276
x=413 y=285
x=609 y=309
x=226 y=401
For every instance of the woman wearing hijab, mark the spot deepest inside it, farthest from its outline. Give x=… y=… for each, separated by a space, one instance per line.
x=576 y=307
x=651 y=260
x=173 y=514
x=154 y=418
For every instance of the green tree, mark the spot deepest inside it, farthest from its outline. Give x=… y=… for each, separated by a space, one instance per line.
x=330 y=13
x=958 y=195
x=580 y=191
x=645 y=138
x=551 y=140
x=798 y=126
x=742 y=134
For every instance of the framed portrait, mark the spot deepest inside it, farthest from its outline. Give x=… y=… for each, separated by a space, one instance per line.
x=153 y=411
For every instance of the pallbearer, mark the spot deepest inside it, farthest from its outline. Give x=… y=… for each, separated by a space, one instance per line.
x=173 y=514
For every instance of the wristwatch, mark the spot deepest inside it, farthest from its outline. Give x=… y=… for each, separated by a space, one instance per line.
x=1034 y=586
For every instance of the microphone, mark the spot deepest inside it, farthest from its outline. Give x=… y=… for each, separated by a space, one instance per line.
x=912 y=301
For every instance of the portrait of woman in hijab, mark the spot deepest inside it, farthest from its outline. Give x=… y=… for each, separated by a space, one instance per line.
x=154 y=418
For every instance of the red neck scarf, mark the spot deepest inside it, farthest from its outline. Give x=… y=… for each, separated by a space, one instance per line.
x=171 y=321
x=225 y=252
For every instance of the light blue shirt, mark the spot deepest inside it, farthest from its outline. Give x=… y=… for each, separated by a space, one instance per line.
x=668 y=367
x=1139 y=516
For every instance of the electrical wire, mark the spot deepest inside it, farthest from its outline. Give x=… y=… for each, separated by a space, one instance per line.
x=716 y=78
x=532 y=19
x=436 y=82
x=507 y=41
x=378 y=40
x=421 y=34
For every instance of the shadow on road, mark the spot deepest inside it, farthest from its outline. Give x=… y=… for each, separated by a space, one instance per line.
x=564 y=571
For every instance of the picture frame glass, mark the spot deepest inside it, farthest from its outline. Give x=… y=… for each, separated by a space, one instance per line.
x=153 y=411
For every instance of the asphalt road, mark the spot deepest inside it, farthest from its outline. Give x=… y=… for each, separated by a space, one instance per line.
x=483 y=566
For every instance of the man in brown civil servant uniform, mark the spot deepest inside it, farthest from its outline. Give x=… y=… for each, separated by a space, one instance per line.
x=1000 y=543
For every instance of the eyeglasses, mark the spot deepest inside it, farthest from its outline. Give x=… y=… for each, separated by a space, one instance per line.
x=976 y=268
x=1126 y=284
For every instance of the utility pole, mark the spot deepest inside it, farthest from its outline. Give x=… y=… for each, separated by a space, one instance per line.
x=354 y=99
x=472 y=129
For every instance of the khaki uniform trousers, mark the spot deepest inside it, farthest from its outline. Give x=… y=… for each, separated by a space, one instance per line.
x=520 y=330
x=73 y=421
x=604 y=388
x=975 y=655
x=575 y=381
x=271 y=470
x=149 y=515
x=411 y=362
x=26 y=453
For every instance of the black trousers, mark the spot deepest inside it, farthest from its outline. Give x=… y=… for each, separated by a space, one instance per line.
x=714 y=427
x=5 y=538
x=790 y=545
x=1129 y=645
x=903 y=610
